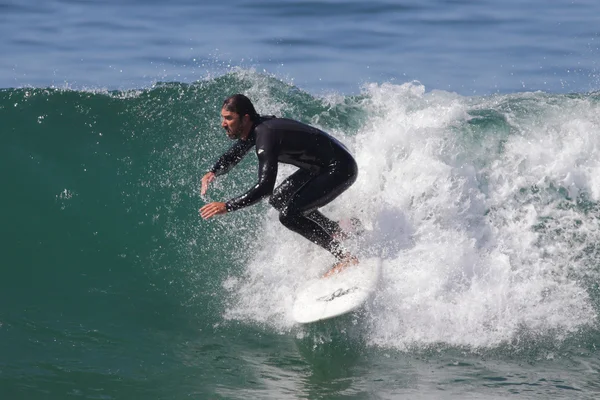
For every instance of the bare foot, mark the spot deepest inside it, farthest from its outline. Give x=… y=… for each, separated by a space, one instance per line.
x=343 y=263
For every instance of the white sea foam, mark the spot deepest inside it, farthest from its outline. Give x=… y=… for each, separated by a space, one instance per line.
x=478 y=247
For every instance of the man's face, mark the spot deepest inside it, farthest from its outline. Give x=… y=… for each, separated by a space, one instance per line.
x=233 y=124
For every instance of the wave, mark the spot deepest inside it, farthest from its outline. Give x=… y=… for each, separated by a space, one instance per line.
x=484 y=209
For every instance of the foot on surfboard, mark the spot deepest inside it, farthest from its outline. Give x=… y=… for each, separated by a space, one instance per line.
x=341 y=265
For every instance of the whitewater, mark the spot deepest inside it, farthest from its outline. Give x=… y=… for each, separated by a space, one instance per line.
x=484 y=210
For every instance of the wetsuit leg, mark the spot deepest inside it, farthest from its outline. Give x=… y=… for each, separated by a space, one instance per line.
x=283 y=193
x=289 y=187
x=317 y=192
x=330 y=226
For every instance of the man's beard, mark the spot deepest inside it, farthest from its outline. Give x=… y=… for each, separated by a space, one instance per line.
x=235 y=134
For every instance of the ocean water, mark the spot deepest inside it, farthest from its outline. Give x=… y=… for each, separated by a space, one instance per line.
x=476 y=129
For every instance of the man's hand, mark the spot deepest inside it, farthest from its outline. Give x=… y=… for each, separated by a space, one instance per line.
x=206 y=179
x=212 y=209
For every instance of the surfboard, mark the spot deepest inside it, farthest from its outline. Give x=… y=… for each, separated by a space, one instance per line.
x=338 y=294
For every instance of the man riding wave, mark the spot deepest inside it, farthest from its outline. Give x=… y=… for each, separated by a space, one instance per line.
x=325 y=170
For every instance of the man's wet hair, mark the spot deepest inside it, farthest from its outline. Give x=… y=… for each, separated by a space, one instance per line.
x=241 y=105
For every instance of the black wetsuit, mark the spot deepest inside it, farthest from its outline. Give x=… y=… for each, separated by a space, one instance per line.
x=326 y=169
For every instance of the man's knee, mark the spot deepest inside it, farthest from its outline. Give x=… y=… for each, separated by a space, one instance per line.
x=289 y=219
x=277 y=202
x=274 y=201
x=284 y=217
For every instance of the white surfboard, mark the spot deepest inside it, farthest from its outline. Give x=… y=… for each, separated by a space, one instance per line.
x=338 y=294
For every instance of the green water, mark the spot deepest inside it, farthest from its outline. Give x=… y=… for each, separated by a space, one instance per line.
x=112 y=287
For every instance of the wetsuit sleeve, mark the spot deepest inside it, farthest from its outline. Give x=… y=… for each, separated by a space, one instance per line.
x=267 y=150
x=232 y=157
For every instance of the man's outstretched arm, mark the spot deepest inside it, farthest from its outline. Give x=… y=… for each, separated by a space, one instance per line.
x=267 y=152
x=267 y=174
x=232 y=157
x=227 y=161
x=212 y=209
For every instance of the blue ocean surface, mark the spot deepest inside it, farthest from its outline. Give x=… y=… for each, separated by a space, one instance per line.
x=475 y=126
x=468 y=47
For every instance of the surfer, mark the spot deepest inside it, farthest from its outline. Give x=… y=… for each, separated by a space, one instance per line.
x=326 y=169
